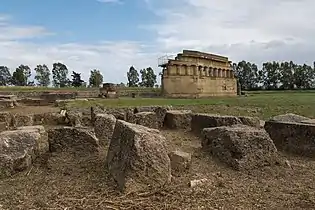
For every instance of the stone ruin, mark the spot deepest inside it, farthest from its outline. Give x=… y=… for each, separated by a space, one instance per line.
x=137 y=154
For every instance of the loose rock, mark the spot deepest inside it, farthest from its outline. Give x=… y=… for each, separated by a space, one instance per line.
x=104 y=127
x=17 y=150
x=22 y=120
x=178 y=119
x=241 y=147
x=42 y=144
x=75 y=140
x=180 y=161
x=138 y=157
x=290 y=117
x=147 y=119
x=292 y=137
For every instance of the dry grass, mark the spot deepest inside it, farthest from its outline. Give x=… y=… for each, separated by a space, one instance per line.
x=62 y=181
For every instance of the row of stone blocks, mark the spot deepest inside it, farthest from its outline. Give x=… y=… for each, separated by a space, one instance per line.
x=138 y=154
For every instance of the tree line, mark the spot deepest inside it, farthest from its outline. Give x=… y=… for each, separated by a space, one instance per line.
x=274 y=75
x=60 y=77
x=21 y=76
x=148 y=77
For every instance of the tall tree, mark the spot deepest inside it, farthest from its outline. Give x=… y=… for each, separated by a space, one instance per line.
x=247 y=75
x=60 y=74
x=5 y=76
x=148 y=77
x=133 y=77
x=76 y=79
x=96 y=78
x=21 y=75
x=42 y=75
x=271 y=72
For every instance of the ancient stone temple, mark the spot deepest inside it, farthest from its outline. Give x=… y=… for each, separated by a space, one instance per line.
x=194 y=74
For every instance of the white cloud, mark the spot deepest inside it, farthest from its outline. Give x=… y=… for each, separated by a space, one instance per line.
x=256 y=31
x=112 y=58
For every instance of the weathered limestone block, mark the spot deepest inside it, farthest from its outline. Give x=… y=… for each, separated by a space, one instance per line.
x=76 y=140
x=6 y=117
x=42 y=144
x=178 y=119
x=241 y=147
x=138 y=155
x=201 y=121
x=39 y=119
x=3 y=126
x=180 y=161
x=104 y=127
x=22 y=120
x=289 y=118
x=148 y=119
x=17 y=150
x=73 y=118
x=250 y=121
x=53 y=118
x=161 y=114
x=292 y=137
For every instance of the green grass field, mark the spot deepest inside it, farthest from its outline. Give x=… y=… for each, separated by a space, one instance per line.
x=262 y=105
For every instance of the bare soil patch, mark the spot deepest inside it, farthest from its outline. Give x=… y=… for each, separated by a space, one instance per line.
x=65 y=181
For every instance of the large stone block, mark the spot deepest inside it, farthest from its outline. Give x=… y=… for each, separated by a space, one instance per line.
x=201 y=121
x=289 y=117
x=178 y=119
x=42 y=144
x=6 y=117
x=292 y=137
x=104 y=127
x=18 y=149
x=22 y=120
x=137 y=156
x=241 y=147
x=161 y=114
x=180 y=161
x=71 y=139
x=148 y=119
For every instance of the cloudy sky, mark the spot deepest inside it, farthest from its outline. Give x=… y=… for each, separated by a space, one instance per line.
x=112 y=35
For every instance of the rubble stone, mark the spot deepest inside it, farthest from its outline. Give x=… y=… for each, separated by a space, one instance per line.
x=22 y=120
x=42 y=144
x=138 y=155
x=17 y=150
x=178 y=119
x=241 y=147
x=292 y=137
x=180 y=161
x=148 y=119
x=104 y=127
x=75 y=140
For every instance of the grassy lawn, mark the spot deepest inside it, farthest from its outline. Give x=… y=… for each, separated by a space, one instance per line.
x=261 y=105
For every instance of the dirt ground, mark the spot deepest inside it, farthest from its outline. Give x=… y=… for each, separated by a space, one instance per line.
x=61 y=181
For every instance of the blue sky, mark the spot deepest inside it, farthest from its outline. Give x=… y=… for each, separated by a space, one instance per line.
x=112 y=35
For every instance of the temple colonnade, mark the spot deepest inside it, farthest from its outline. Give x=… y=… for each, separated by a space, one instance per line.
x=197 y=70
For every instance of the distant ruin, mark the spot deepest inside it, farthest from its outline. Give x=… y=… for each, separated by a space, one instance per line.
x=194 y=74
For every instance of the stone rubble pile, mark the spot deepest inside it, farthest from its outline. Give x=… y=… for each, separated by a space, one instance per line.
x=137 y=154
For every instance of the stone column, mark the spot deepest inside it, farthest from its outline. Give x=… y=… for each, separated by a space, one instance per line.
x=195 y=68
x=215 y=72
x=201 y=71
x=186 y=70
x=219 y=72
x=206 y=70
x=210 y=71
x=178 y=69
x=171 y=70
x=223 y=73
